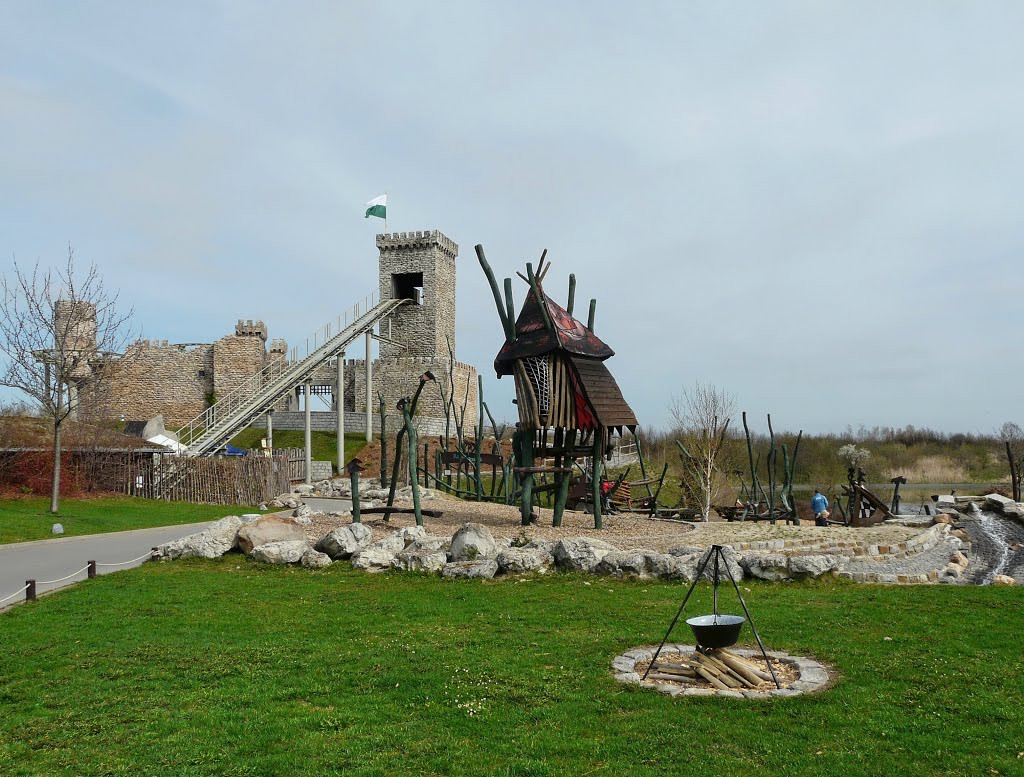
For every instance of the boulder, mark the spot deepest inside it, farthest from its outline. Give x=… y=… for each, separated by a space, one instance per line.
x=624 y=563
x=421 y=560
x=429 y=544
x=341 y=543
x=1003 y=580
x=732 y=561
x=519 y=561
x=945 y=518
x=485 y=568
x=374 y=559
x=669 y=567
x=57 y=528
x=687 y=550
x=1014 y=510
x=767 y=566
x=580 y=554
x=303 y=489
x=266 y=529
x=287 y=552
x=959 y=559
x=545 y=545
x=997 y=502
x=814 y=564
x=302 y=514
x=214 y=541
x=472 y=541
x=314 y=559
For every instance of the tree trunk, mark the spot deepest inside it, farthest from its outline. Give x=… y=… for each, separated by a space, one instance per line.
x=55 y=486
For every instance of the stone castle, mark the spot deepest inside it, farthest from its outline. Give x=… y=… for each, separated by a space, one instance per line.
x=180 y=380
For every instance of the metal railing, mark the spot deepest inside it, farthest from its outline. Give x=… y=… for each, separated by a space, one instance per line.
x=255 y=394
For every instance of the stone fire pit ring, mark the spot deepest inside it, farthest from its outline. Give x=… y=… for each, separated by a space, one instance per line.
x=812 y=676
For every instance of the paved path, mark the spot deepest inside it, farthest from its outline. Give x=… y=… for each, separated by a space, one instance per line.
x=53 y=559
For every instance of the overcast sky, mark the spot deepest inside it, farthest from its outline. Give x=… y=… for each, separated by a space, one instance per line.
x=815 y=206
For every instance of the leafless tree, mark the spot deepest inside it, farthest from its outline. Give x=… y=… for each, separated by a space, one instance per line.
x=58 y=328
x=702 y=415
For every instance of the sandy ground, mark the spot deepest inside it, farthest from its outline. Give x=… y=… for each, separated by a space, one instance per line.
x=624 y=531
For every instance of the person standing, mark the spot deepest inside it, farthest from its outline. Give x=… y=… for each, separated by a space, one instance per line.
x=819 y=506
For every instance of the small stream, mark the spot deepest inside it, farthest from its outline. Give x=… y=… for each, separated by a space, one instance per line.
x=997 y=546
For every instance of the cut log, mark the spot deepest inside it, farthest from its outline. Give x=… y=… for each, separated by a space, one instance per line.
x=675 y=678
x=758 y=672
x=728 y=670
x=703 y=672
x=723 y=674
x=741 y=669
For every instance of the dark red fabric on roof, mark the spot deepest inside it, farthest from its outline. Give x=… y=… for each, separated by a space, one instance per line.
x=533 y=338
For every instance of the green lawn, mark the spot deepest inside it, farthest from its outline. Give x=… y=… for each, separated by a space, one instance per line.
x=231 y=668
x=324 y=444
x=30 y=518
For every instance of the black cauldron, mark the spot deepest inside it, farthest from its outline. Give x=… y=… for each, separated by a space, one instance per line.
x=716 y=631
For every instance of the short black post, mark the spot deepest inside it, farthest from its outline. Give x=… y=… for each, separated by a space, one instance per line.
x=30 y=590
x=354 y=468
x=92 y=570
x=154 y=554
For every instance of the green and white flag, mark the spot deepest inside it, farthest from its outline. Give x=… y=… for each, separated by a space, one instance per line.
x=378 y=207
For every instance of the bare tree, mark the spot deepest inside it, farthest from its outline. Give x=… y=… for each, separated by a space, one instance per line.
x=58 y=329
x=702 y=415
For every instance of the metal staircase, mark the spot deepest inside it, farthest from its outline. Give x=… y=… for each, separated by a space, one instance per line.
x=230 y=414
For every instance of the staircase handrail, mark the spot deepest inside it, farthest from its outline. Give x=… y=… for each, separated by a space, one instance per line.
x=249 y=387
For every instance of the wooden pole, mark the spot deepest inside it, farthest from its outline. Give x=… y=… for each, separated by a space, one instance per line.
x=598 y=459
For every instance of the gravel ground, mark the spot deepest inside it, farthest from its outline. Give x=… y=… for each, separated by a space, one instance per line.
x=624 y=531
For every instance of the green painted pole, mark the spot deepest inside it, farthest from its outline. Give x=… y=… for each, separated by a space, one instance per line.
x=410 y=432
x=596 y=495
x=592 y=314
x=572 y=293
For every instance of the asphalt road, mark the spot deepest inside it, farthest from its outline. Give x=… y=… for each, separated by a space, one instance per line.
x=50 y=560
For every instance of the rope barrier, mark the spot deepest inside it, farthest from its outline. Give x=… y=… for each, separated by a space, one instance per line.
x=16 y=593
x=61 y=580
x=122 y=563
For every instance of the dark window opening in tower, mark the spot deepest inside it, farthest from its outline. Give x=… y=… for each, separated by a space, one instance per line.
x=408 y=285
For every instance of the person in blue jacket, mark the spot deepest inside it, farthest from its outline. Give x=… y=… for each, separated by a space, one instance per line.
x=819 y=506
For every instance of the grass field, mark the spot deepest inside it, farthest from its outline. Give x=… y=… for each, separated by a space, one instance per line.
x=324 y=444
x=234 y=668
x=29 y=518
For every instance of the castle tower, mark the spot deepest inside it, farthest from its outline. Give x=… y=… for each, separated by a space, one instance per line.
x=419 y=266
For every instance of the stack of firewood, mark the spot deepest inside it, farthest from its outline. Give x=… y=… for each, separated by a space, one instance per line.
x=717 y=666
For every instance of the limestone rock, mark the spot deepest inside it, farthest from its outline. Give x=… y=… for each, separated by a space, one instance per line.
x=732 y=561
x=343 y=542
x=214 y=541
x=1003 y=580
x=287 y=552
x=767 y=566
x=959 y=559
x=428 y=544
x=546 y=545
x=945 y=518
x=814 y=565
x=421 y=560
x=266 y=529
x=472 y=541
x=997 y=502
x=1014 y=510
x=484 y=569
x=374 y=559
x=314 y=559
x=625 y=563
x=580 y=554
x=302 y=514
x=57 y=528
x=303 y=489
x=518 y=561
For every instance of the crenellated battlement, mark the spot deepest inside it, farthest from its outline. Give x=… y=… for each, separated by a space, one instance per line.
x=250 y=328
x=419 y=239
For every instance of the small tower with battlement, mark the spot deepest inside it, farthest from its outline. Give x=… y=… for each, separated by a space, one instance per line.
x=419 y=266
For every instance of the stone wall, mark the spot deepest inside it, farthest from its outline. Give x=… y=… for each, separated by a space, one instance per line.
x=160 y=378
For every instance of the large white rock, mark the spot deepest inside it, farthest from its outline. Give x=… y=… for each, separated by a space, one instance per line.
x=341 y=543
x=374 y=559
x=484 y=569
x=518 y=561
x=214 y=541
x=732 y=560
x=288 y=552
x=414 y=560
x=625 y=563
x=429 y=544
x=767 y=566
x=581 y=554
x=472 y=541
x=266 y=529
x=314 y=559
x=1003 y=580
x=814 y=565
x=997 y=502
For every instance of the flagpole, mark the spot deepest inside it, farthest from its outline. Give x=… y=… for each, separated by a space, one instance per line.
x=385 y=212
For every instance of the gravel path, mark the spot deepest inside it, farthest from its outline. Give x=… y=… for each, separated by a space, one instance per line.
x=625 y=531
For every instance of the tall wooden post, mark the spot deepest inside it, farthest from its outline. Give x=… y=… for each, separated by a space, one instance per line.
x=598 y=459
x=354 y=468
